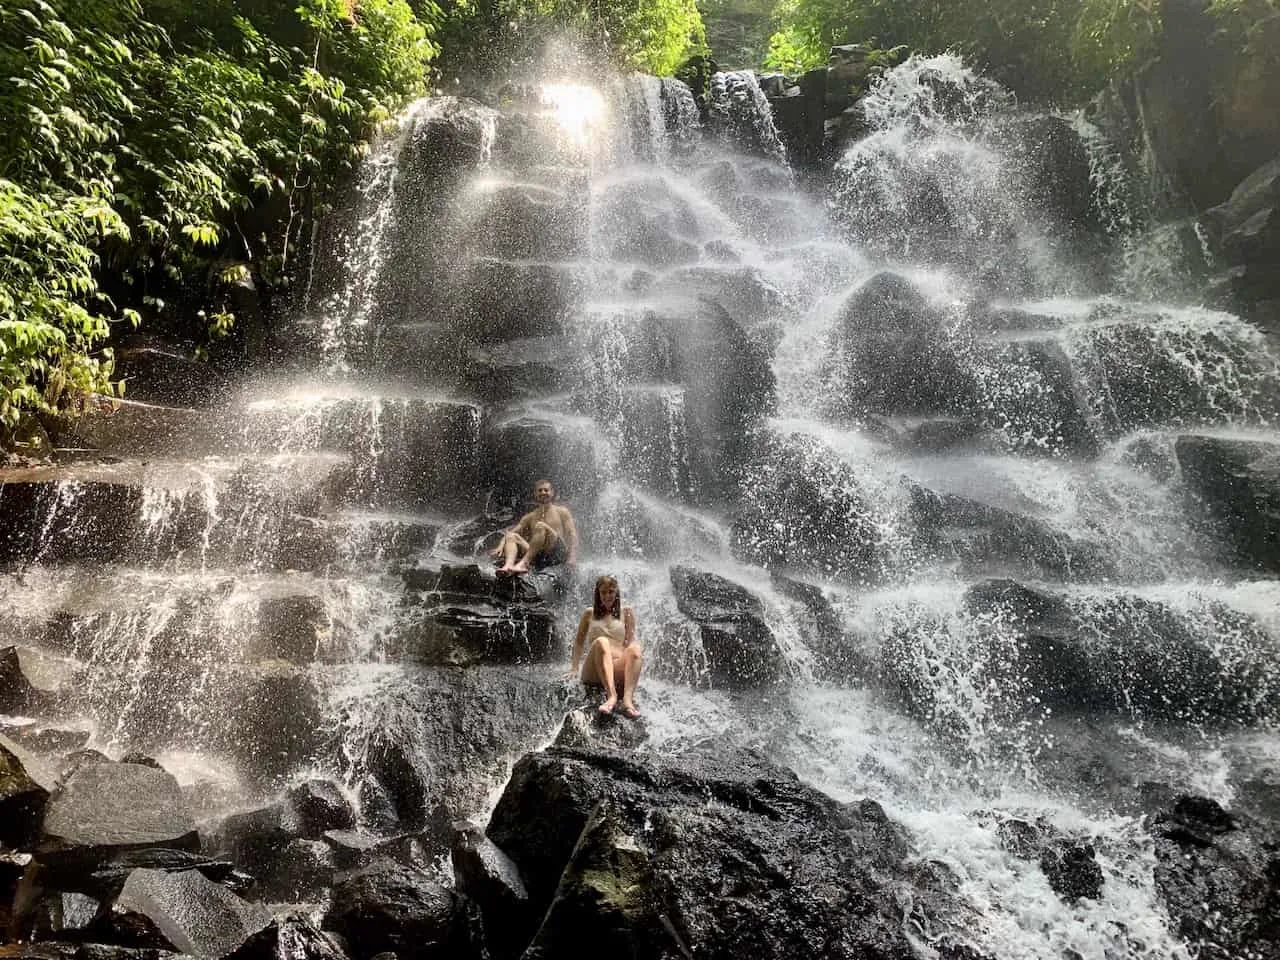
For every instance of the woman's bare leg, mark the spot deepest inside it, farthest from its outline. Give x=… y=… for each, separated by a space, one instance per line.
x=632 y=662
x=603 y=655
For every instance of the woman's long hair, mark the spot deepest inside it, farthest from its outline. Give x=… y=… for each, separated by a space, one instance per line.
x=600 y=610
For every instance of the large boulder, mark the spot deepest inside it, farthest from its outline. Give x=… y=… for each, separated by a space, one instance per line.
x=741 y=651
x=1237 y=485
x=896 y=355
x=183 y=911
x=390 y=907
x=982 y=536
x=1219 y=877
x=291 y=937
x=102 y=809
x=718 y=854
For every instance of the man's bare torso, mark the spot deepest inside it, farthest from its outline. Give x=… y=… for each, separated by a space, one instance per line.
x=554 y=516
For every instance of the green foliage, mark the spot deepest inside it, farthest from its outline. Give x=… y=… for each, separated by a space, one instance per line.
x=655 y=36
x=1042 y=49
x=147 y=148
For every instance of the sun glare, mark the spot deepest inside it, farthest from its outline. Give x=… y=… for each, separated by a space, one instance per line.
x=580 y=111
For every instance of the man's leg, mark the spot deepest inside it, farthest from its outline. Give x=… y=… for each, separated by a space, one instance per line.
x=632 y=662
x=541 y=540
x=511 y=545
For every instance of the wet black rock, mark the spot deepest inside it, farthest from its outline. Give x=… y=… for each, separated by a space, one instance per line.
x=804 y=510
x=316 y=806
x=160 y=371
x=65 y=950
x=897 y=354
x=741 y=651
x=464 y=615
x=438 y=738
x=1123 y=652
x=1068 y=864
x=253 y=839
x=390 y=907
x=106 y=808
x=588 y=728
x=1237 y=483
x=17 y=695
x=491 y=879
x=838 y=657
x=184 y=912
x=61 y=916
x=1219 y=877
x=22 y=802
x=982 y=536
x=718 y=854
x=291 y=937
x=107 y=877
x=1050 y=158
x=43 y=737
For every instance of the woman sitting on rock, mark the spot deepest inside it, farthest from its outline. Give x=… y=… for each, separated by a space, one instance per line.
x=607 y=632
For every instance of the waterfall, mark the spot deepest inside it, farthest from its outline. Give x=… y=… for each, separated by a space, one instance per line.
x=927 y=431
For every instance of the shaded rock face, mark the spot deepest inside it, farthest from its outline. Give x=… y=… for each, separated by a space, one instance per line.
x=741 y=651
x=634 y=853
x=1067 y=864
x=1237 y=485
x=491 y=879
x=391 y=908
x=1219 y=877
x=289 y=938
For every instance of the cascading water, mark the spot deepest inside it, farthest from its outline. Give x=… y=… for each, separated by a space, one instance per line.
x=913 y=435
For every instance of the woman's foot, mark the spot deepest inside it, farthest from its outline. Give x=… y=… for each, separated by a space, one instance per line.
x=629 y=711
x=608 y=705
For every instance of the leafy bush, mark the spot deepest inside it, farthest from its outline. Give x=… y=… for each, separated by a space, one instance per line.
x=170 y=153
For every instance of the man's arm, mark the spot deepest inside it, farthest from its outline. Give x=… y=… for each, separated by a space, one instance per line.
x=571 y=536
x=579 y=641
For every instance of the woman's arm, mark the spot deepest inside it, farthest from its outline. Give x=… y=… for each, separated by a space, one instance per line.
x=629 y=623
x=580 y=640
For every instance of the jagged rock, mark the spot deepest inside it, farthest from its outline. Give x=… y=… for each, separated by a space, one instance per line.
x=718 y=853
x=896 y=353
x=163 y=372
x=22 y=802
x=1219 y=878
x=316 y=806
x=839 y=657
x=301 y=872
x=183 y=911
x=1237 y=482
x=45 y=739
x=291 y=937
x=254 y=839
x=102 y=809
x=587 y=727
x=490 y=878
x=107 y=877
x=389 y=907
x=741 y=650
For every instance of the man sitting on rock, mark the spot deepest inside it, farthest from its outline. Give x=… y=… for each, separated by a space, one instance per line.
x=544 y=537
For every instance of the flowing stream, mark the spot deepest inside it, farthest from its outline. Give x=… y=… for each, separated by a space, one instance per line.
x=927 y=380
